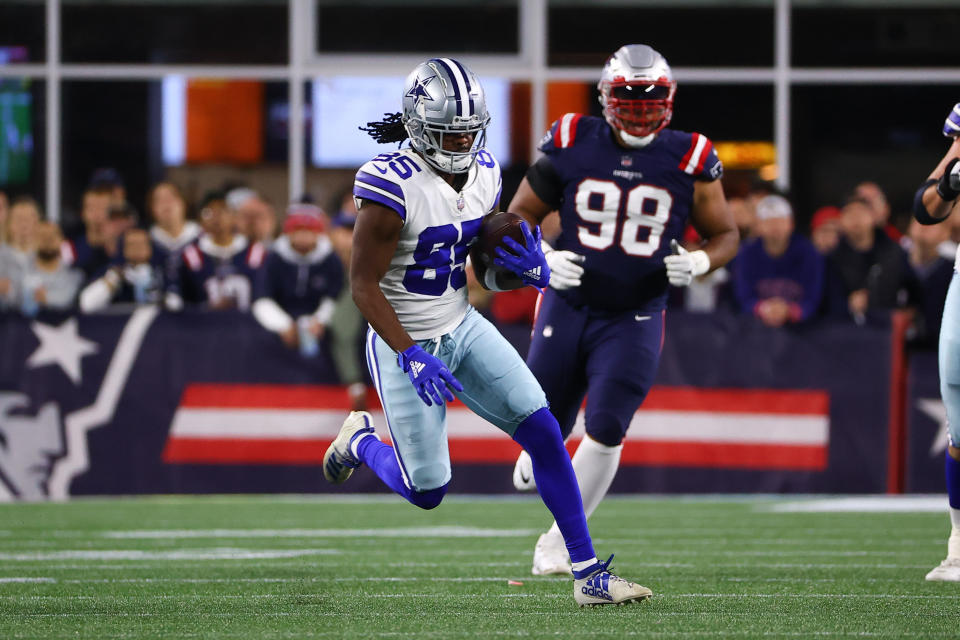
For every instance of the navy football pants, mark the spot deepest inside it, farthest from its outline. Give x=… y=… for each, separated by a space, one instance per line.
x=611 y=357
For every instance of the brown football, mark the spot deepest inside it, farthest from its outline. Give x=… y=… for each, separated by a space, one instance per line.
x=496 y=226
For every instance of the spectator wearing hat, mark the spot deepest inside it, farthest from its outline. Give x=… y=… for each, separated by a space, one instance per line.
x=779 y=275
x=868 y=270
x=137 y=279
x=220 y=269
x=825 y=229
x=300 y=281
x=109 y=179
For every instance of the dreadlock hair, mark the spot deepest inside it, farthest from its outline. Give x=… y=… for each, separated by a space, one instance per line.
x=390 y=129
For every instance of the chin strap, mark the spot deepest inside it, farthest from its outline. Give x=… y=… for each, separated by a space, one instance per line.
x=638 y=142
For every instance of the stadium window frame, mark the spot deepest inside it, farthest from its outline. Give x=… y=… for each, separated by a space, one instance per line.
x=529 y=65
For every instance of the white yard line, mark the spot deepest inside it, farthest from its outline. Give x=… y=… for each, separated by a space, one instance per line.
x=184 y=554
x=394 y=532
x=863 y=504
x=19 y=580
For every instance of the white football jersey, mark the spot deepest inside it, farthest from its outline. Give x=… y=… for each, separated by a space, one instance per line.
x=426 y=284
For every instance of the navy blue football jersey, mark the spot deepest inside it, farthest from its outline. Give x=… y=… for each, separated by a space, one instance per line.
x=621 y=207
x=220 y=276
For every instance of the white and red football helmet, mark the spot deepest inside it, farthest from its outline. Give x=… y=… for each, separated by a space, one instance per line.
x=636 y=90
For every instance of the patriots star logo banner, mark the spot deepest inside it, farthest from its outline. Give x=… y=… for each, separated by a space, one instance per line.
x=65 y=386
x=195 y=402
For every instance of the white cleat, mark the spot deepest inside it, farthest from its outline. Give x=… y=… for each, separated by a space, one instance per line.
x=550 y=556
x=339 y=461
x=946 y=571
x=601 y=587
x=523 y=478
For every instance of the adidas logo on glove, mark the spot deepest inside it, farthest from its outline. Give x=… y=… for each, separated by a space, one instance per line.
x=416 y=368
x=533 y=273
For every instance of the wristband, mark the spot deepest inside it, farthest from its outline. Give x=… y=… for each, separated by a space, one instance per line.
x=920 y=212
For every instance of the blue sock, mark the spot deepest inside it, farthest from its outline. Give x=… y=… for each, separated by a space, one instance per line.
x=540 y=436
x=381 y=458
x=953 y=481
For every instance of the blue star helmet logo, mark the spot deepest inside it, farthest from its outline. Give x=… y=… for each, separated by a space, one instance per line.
x=418 y=90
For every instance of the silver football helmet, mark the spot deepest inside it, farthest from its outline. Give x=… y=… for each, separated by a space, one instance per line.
x=441 y=96
x=636 y=90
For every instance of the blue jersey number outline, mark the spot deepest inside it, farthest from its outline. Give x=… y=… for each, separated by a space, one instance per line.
x=400 y=164
x=440 y=258
x=484 y=159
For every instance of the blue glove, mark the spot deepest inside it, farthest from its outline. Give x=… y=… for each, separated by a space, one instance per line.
x=951 y=128
x=527 y=262
x=428 y=374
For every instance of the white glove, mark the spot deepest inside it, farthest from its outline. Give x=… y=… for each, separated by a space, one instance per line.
x=683 y=266
x=565 y=269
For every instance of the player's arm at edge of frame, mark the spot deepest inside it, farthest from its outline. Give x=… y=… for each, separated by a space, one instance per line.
x=936 y=207
x=375 y=237
x=713 y=220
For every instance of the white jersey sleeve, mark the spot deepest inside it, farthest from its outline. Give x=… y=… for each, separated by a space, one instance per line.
x=426 y=282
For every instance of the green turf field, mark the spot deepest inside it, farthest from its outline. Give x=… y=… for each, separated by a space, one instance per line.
x=290 y=567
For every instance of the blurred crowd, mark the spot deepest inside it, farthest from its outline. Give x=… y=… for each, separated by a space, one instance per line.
x=852 y=264
x=235 y=253
x=289 y=271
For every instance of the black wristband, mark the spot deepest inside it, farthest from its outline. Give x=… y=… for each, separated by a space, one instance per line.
x=920 y=212
x=944 y=190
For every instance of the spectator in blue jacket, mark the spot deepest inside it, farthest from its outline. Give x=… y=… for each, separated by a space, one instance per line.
x=300 y=281
x=779 y=275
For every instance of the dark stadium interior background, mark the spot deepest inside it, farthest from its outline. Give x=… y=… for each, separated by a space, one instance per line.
x=873 y=130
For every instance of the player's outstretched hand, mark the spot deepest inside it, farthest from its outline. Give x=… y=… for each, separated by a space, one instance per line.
x=527 y=262
x=430 y=377
x=951 y=128
x=565 y=269
x=683 y=266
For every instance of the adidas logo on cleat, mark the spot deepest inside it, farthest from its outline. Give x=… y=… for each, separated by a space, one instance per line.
x=597 y=587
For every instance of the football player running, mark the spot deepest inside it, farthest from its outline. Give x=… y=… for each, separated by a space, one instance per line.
x=936 y=199
x=625 y=187
x=420 y=208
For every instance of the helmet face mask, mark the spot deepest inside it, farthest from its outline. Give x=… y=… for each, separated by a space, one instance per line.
x=429 y=142
x=443 y=98
x=636 y=91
